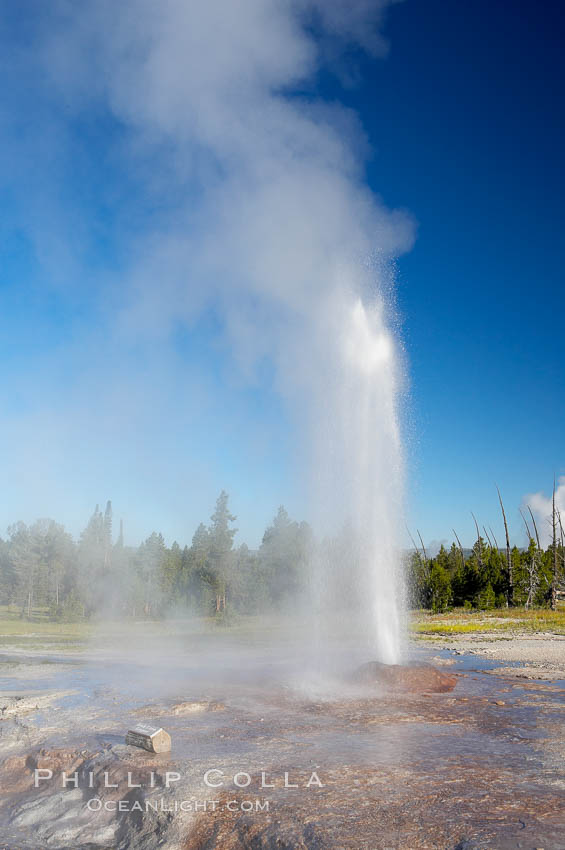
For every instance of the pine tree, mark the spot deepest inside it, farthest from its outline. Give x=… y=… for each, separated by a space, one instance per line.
x=91 y=550
x=23 y=557
x=8 y=577
x=440 y=586
x=171 y=574
x=221 y=543
x=120 y=540
x=107 y=531
x=197 y=579
x=149 y=562
x=284 y=555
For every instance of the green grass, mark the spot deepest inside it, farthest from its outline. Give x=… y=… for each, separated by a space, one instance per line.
x=503 y=620
x=42 y=634
x=39 y=632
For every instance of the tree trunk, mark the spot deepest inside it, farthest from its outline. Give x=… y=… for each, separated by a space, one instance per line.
x=554 y=579
x=480 y=546
x=534 y=569
x=460 y=549
x=510 y=592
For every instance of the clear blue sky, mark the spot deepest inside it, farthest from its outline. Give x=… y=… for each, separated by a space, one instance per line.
x=467 y=116
x=466 y=120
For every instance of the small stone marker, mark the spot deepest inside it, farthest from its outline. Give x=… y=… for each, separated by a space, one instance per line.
x=151 y=738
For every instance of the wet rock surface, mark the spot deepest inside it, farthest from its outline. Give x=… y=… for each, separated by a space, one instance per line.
x=294 y=766
x=19 y=702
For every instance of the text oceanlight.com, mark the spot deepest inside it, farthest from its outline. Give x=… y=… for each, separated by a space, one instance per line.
x=163 y=805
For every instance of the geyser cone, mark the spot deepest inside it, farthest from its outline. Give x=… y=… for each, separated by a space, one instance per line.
x=414 y=678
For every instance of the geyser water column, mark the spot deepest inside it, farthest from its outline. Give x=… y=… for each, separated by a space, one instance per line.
x=371 y=443
x=359 y=468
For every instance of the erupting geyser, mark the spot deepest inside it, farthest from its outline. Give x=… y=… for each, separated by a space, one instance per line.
x=359 y=468
x=372 y=460
x=254 y=209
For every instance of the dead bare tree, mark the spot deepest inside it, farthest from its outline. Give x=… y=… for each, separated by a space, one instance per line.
x=480 y=545
x=533 y=566
x=509 y=572
x=423 y=547
x=562 y=549
x=460 y=549
x=414 y=544
x=424 y=563
x=562 y=544
x=494 y=538
x=487 y=537
x=528 y=532
x=535 y=528
x=555 y=573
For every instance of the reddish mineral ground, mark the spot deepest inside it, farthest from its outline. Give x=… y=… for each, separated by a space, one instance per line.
x=408 y=758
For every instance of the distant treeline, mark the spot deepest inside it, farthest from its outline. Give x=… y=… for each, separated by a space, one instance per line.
x=489 y=576
x=44 y=572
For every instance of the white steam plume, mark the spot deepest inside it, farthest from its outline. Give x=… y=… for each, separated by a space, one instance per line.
x=263 y=212
x=542 y=508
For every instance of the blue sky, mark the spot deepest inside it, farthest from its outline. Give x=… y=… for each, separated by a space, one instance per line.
x=467 y=118
x=465 y=121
